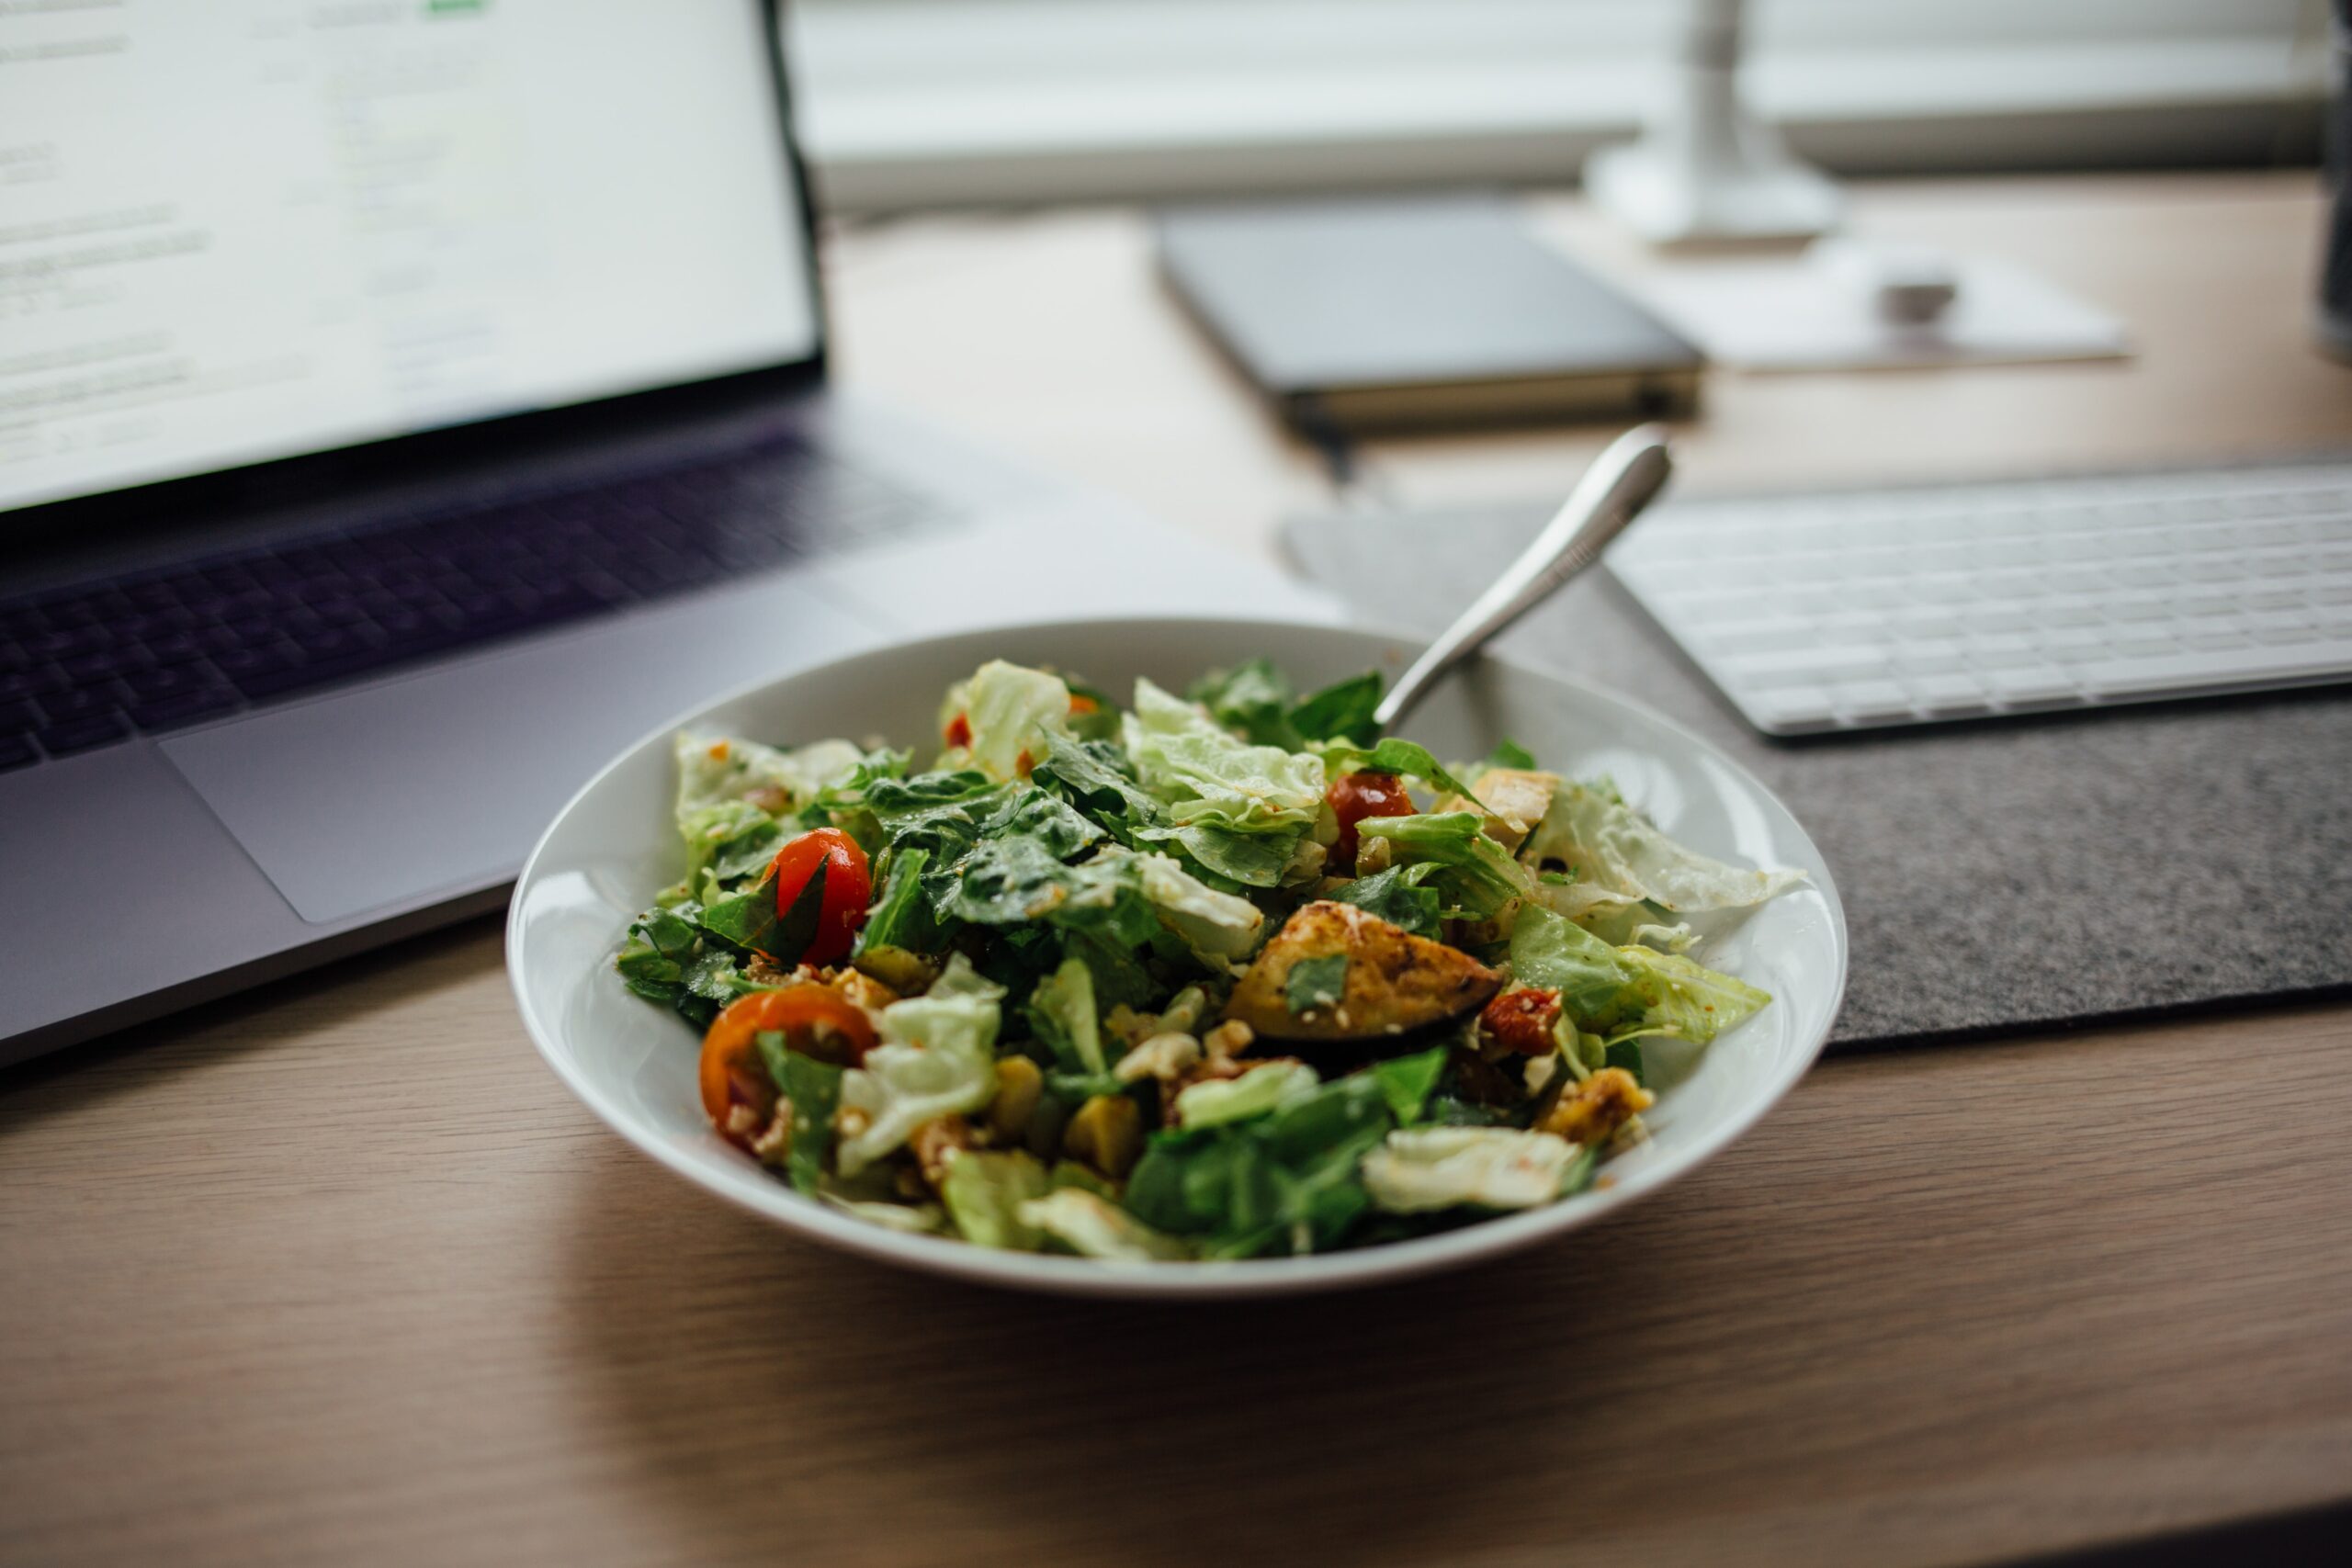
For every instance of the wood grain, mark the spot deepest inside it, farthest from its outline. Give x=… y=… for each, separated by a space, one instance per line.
x=338 y=1272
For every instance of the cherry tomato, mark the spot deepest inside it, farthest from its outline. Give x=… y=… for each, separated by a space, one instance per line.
x=959 y=730
x=1521 y=1019
x=816 y=1021
x=848 y=889
x=1355 y=796
x=1079 y=702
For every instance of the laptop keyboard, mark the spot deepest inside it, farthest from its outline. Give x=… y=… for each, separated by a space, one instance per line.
x=88 y=665
x=1908 y=606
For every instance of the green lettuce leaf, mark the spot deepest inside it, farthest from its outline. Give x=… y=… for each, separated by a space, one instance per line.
x=1418 y=1170
x=1617 y=992
x=1013 y=711
x=716 y=769
x=1201 y=774
x=937 y=1058
x=984 y=1190
x=1257 y=1092
x=1394 y=756
x=1251 y=859
x=1092 y=1227
x=1625 y=873
x=1219 y=928
x=1475 y=875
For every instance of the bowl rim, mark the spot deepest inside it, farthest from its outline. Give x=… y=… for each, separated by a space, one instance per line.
x=1195 y=1281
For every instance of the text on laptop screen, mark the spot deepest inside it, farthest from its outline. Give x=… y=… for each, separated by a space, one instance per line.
x=247 y=229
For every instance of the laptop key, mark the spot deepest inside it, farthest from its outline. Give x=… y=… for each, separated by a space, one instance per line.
x=183 y=707
x=64 y=739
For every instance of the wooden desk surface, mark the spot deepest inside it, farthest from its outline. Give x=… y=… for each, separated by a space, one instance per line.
x=337 y=1272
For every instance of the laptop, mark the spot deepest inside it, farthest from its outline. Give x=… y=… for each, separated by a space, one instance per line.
x=403 y=408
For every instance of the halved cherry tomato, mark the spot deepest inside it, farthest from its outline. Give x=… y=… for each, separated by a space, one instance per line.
x=959 y=730
x=1521 y=1019
x=848 y=890
x=815 y=1020
x=1080 y=703
x=1355 y=796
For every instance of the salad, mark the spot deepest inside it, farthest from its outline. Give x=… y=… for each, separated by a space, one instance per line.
x=1220 y=976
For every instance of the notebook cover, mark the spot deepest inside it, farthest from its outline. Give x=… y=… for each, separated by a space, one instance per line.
x=1996 y=876
x=1355 y=302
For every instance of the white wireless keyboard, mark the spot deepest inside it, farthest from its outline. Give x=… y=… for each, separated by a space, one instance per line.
x=1860 y=609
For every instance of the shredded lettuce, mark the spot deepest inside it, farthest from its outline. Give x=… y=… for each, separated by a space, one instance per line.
x=984 y=1190
x=1624 y=874
x=1475 y=875
x=1201 y=774
x=1422 y=1168
x=715 y=769
x=1218 y=927
x=937 y=1058
x=1618 y=992
x=1013 y=712
x=1092 y=1227
x=1260 y=1091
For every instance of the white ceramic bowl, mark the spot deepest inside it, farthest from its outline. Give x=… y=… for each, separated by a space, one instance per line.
x=634 y=1064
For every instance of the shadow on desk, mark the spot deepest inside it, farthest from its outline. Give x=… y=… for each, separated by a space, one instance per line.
x=782 y=1393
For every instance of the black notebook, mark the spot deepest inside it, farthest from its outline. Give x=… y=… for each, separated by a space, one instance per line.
x=1392 y=313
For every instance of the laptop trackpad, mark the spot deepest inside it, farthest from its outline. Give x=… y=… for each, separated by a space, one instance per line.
x=441 y=783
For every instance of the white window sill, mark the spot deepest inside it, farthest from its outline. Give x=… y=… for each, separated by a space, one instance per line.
x=1062 y=130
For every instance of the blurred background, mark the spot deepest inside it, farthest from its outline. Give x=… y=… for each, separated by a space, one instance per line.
x=921 y=103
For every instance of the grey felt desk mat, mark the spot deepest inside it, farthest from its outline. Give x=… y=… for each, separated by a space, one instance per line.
x=1996 y=875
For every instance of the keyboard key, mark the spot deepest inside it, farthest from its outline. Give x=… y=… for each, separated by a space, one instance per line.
x=2034 y=688
x=1868 y=700
x=64 y=740
x=2208 y=671
x=184 y=708
x=1952 y=695
x=1794 y=708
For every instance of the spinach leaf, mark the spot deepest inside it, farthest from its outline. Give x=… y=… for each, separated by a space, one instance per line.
x=1407 y=1082
x=901 y=918
x=938 y=811
x=1008 y=881
x=1095 y=775
x=1625 y=1053
x=715 y=977
x=1398 y=897
x=1315 y=982
x=815 y=1090
x=1029 y=812
x=1252 y=699
x=1343 y=711
x=749 y=920
x=1062 y=1014
x=746 y=918
x=662 y=942
x=1286 y=1180
x=1509 y=753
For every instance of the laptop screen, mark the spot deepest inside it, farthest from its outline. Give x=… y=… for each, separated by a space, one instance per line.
x=242 y=229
